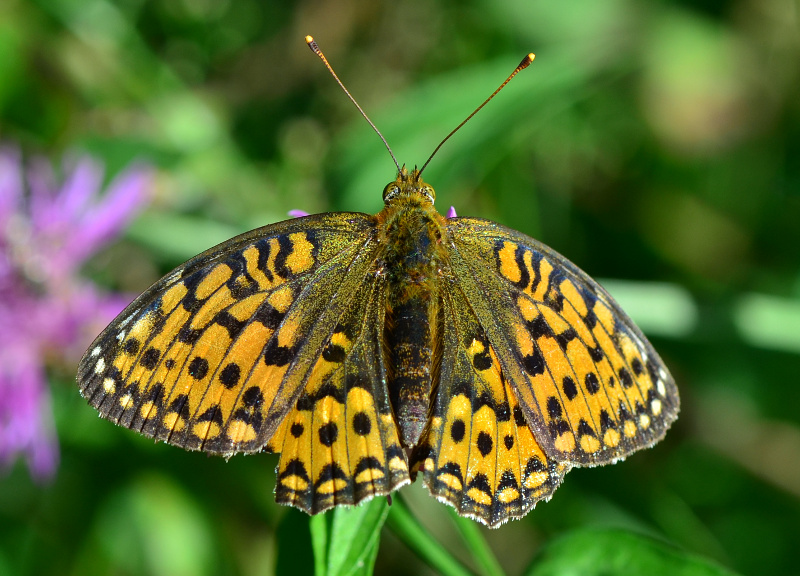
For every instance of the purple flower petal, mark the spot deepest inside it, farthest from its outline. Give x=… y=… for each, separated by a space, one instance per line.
x=25 y=414
x=10 y=185
x=42 y=186
x=106 y=219
x=81 y=185
x=46 y=309
x=451 y=213
x=298 y=213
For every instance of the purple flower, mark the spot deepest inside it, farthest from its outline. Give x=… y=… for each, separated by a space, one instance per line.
x=47 y=311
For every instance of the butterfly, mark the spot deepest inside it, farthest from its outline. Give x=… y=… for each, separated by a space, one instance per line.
x=371 y=349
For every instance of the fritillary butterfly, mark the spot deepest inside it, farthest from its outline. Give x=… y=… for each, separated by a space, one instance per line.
x=367 y=350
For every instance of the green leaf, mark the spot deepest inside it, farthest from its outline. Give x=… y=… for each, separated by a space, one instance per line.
x=354 y=538
x=658 y=308
x=476 y=544
x=319 y=542
x=178 y=237
x=153 y=526
x=610 y=552
x=416 y=537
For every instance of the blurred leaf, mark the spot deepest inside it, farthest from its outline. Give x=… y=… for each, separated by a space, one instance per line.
x=769 y=321
x=476 y=544
x=416 y=123
x=10 y=59
x=355 y=537
x=179 y=237
x=610 y=552
x=417 y=537
x=657 y=308
x=318 y=525
x=152 y=526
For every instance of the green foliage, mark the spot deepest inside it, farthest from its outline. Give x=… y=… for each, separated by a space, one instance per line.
x=347 y=544
x=616 y=552
x=655 y=144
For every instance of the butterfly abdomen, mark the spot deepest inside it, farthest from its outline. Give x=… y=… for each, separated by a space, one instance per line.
x=414 y=257
x=410 y=337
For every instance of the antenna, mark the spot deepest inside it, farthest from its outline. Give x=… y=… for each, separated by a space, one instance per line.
x=316 y=50
x=522 y=65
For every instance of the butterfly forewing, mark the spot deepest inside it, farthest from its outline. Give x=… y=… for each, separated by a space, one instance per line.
x=207 y=357
x=588 y=381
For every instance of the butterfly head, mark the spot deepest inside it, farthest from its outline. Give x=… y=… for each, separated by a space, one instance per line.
x=408 y=184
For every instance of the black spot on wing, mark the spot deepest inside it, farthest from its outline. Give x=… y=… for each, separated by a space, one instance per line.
x=334 y=353
x=131 y=346
x=307 y=401
x=569 y=387
x=241 y=284
x=482 y=361
x=294 y=468
x=362 y=424
x=457 y=430
x=485 y=443
x=230 y=323
x=229 y=376
x=565 y=338
x=519 y=417
x=150 y=358
x=534 y=363
x=524 y=276
x=188 y=335
x=250 y=416
x=263 y=248
x=554 y=407
x=596 y=353
x=253 y=397
x=502 y=410
x=284 y=250
x=198 y=368
x=558 y=427
x=328 y=433
x=625 y=378
x=269 y=316
x=213 y=414
x=591 y=383
x=275 y=355
x=538 y=327
x=190 y=302
x=180 y=405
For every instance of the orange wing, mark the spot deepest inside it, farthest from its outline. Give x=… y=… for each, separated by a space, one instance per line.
x=215 y=354
x=479 y=454
x=587 y=379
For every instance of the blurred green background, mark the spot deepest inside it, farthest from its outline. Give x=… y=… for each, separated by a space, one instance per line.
x=655 y=144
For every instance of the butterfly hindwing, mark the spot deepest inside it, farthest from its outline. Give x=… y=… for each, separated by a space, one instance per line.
x=588 y=381
x=339 y=445
x=206 y=358
x=479 y=454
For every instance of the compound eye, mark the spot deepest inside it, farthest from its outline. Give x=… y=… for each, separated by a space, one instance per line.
x=428 y=191
x=390 y=191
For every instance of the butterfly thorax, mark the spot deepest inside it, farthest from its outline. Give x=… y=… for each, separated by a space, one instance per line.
x=413 y=259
